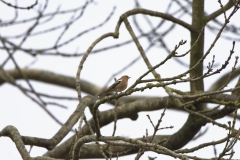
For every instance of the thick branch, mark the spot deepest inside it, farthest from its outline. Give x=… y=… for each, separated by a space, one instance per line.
x=130 y=110
x=219 y=11
x=12 y=132
x=52 y=78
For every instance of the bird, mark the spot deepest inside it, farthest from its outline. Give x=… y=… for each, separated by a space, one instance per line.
x=120 y=85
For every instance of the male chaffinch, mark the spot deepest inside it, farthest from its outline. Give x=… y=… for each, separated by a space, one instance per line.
x=118 y=86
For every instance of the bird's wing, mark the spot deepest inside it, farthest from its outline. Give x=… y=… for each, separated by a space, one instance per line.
x=109 y=89
x=113 y=85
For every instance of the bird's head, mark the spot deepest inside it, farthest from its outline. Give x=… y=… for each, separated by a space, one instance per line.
x=124 y=77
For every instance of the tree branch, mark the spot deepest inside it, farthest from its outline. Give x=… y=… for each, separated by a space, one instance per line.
x=219 y=11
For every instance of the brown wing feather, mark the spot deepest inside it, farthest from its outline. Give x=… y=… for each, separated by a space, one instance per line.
x=109 y=88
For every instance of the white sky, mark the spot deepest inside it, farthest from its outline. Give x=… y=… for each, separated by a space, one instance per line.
x=31 y=120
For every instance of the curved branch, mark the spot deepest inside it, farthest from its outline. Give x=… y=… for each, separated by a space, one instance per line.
x=125 y=142
x=17 y=7
x=219 y=12
x=12 y=132
x=57 y=138
x=52 y=78
x=155 y=14
x=80 y=66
